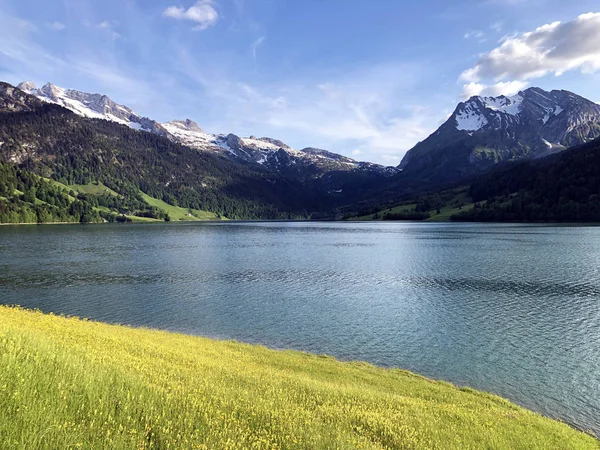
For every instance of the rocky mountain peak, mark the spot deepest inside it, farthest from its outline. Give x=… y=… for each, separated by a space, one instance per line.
x=188 y=124
x=52 y=91
x=14 y=99
x=27 y=86
x=95 y=106
x=271 y=153
x=272 y=141
x=484 y=131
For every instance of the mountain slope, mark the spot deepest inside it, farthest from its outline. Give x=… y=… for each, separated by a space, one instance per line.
x=559 y=188
x=485 y=131
x=50 y=141
x=15 y=100
x=274 y=155
x=94 y=106
x=563 y=187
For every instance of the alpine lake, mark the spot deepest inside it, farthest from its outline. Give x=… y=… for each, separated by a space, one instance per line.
x=509 y=309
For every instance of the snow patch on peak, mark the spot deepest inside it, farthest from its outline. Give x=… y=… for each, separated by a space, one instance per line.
x=52 y=91
x=94 y=106
x=186 y=124
x=27 y=87
x=470 y=118
x=259 y=144
x=188 y=134
x=509 y=105
x=548 y=144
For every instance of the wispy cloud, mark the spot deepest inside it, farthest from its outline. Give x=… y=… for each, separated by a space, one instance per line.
x=477 y=35
x=497 y=26
x=110 y=26
x=57 y=26
x=257 y=43
x=371 y=113
x=203 y=13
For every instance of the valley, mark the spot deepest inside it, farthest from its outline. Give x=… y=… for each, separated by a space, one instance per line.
x=104 y=162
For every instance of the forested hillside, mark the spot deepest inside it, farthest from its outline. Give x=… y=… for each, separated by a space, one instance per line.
x=561 y=188
x=29 y=198
x=56 y=166
x=49 y=141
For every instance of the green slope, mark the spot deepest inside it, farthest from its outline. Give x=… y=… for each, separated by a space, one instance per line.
x=67 y=383
x=92 y=188
x=177 y=213
x=28 y=198
x=445 y=205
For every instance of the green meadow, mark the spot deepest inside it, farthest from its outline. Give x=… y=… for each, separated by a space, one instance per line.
x=71 y=383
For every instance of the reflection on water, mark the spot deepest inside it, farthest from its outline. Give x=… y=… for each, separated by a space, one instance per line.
x=511 y=309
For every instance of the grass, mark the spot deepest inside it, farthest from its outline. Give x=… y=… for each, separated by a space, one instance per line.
x=69 y=383
x=450 y=207
x=176 y=213
x=396 y=209
x=138 y=219
x=92 y=189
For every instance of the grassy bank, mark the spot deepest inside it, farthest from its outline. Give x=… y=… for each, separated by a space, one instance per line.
x=177 y=213
x=67 y=383
x=438 y=207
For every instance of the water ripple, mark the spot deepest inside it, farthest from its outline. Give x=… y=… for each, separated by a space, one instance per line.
x=511 y=309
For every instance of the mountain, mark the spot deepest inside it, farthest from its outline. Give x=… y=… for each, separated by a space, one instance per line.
x=559 y=188
x=485 y=131
x=41 y=140
x=15 y=100
x=94 y=106
x=116 y=167
x=273 y=154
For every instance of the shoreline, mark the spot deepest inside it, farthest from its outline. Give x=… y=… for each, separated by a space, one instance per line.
x=481 y=415
x=558 y=224
x=5 y=224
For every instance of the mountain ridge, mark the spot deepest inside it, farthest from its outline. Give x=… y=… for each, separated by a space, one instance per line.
x=271 y=153
x=46 y=141
x=485 y=131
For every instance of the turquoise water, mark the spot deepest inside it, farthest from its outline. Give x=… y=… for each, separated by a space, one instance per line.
x=511 y=309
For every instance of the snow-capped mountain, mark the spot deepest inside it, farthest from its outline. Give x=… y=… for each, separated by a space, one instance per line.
x=484 y=131
x=14 y=100
x=270 y=153
x=94 y=106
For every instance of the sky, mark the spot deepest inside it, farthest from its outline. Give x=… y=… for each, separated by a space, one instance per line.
x=364 y=78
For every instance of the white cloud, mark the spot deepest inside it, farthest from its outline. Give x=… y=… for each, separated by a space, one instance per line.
x=497 y=26
x=494 y=90
x=108 y=24
x=203 y=13
x=257 y=43
x=57 y=26
x=551 y=49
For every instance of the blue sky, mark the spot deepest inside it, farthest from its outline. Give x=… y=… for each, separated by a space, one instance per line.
x=367 y=79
